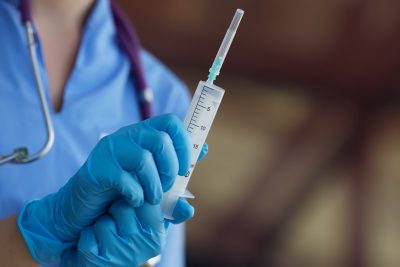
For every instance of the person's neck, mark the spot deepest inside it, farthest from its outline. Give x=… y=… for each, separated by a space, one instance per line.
x=65 y=12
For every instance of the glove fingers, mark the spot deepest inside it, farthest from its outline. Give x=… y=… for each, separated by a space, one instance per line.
x=106 y=234
x=149 y=178
x=104 y=243
x=130 y=188
x=150 y=218
x=163 y=151
x=183 y=211
x=125 y=218
x=131 y=157
x=87 y=242
x=203 y=152
x=179 y=136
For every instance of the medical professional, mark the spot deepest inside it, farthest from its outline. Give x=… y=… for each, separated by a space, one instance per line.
x=94 y=198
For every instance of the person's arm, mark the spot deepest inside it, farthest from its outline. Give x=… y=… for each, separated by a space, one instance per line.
x=13 y=250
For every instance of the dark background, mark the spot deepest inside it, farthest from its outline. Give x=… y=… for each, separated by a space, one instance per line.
x=303 y=168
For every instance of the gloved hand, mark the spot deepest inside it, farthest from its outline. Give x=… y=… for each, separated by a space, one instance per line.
x=125 y=236
x=122 y=238
x=137 y=163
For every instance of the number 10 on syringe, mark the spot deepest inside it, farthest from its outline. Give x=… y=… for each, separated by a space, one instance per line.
x=200 y=116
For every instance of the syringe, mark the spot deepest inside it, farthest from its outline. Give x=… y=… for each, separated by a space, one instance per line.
x=200 y=116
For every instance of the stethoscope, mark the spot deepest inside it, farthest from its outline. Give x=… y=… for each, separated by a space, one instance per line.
x=129 y=42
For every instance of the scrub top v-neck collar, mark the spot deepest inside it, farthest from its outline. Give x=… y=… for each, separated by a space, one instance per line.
x=97 y=25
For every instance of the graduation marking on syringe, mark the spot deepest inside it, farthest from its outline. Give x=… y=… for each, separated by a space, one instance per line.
x=200 y=117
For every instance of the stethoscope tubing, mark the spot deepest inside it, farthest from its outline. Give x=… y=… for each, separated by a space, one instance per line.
x=21 y=155
x=45 y=106
x=129 y=42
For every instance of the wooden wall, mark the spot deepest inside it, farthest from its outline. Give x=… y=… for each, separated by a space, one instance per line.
x=347 y=44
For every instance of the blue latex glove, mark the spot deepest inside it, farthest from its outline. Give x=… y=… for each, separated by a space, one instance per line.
x=108 y=243
x=125 y=236
x=137 y=163
x=203 y=152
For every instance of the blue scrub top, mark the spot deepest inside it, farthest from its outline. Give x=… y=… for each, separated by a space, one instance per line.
x=99 y=98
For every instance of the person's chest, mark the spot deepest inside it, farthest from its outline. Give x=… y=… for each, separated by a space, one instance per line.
x=99 y=98
x=84 y=119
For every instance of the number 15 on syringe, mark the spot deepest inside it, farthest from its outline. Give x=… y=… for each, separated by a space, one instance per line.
x=198 y=120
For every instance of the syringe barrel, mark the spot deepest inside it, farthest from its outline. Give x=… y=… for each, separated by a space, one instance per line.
x=198 y=121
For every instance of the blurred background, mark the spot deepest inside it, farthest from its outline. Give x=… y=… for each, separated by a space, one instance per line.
x=304 y=162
